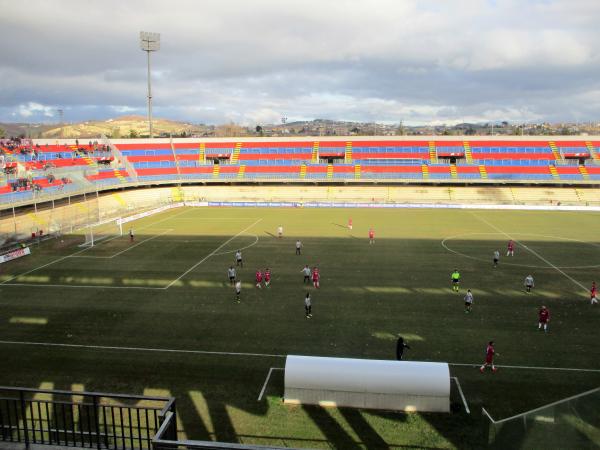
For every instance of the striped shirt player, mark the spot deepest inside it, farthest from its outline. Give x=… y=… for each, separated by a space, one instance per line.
x=496 y=258
x=238 y=290
x=238 y=259
x=231 y=275
x=298 y=247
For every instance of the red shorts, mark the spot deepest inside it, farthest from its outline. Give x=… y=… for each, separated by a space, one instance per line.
x=489 y=359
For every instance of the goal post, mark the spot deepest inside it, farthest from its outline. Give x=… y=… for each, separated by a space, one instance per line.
x=98 y=232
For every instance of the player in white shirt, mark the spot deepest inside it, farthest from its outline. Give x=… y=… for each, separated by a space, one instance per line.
x=496 y=258
x=468 y=301
x=280 y=231
x=298 y=247
x=238 y=290
x=231 y=275
x=529 y=283
x=308 y=306
x=306 y=273
x=238 y=259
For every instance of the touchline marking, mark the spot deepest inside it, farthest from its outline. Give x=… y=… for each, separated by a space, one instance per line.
x=262 y=391
x=93 y=286
x=209 y=255
x=85 y=249
x=259 y=355
x=141 y=349
x=533 y=252
x=126 y=250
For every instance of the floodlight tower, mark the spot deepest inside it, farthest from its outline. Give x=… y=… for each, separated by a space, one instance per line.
x=149 y=42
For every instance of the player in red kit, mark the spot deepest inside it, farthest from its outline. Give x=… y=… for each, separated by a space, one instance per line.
x=593 y=294
x=259 y=277
x=267 y=277
x=371 y=236
x=510 y=250
x=490 y=352
x=350 y=223
x=315 y=277
x=544 y=318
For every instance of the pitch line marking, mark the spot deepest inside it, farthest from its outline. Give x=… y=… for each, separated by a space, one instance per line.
x=83 y=286
x=250 y=354
x=243 y=248
x=456 y=252
x=262 y=391
x=460 y=391
x=210 y=254
x=533 y=252
x=126 y=250
x=62 y=258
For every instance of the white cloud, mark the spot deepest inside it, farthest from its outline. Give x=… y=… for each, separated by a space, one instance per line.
x=31 y=108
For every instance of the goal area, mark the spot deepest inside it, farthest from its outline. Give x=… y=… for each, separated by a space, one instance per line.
x=101 y=231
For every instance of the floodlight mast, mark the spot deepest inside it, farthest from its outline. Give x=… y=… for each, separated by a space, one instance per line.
x=149 y=42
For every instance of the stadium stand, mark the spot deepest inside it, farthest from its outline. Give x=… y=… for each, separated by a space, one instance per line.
x=37 y=169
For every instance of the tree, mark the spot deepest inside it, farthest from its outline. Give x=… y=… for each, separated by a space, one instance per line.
x=2 y=133
x=133 y=134
x=259 y=130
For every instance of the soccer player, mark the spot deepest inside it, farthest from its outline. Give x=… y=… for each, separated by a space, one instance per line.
x=238 y=290
x=350 y=223
x=306 y=272
x=231 y=274
x=298 y=247
x=490 y=352
x=315 y=277
x=496 y=258
x=259 y=278
x=468 y=301
x=371 y=236
x=280 y=231
x=593 y=294
x=308 y=306
x=267 y=277
x=544 y=318
x=131 y=235
x=238 y=259
x=510 y=250
x=455 y=280
x=400 y=346
x=529 y=283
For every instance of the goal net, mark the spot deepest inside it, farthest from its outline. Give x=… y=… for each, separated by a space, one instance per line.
x=101 y=231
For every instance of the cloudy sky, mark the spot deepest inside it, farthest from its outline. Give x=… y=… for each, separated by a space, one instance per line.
x=255 y=61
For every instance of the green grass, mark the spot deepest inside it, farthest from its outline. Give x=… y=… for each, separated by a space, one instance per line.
x=368 y=295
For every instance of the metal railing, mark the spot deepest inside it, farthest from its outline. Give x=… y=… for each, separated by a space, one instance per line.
x=82 y=419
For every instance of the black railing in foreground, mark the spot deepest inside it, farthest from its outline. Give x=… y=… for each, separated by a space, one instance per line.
x=83 y=419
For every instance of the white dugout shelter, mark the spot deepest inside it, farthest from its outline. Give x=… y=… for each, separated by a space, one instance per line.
x=365 y=383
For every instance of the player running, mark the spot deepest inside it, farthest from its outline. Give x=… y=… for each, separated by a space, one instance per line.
x=490 y=352
x=510 y=249
x=298 y=247
x=496 y=258
x=455 y=280
x=468 y=301
x=238 y=259
x=306 y=272
x=308 y=306
x=371 y=236
x=529 y=284
x=543 y=318
x=259 y=278
x=315 y=277
x=267 y=277
x=593 y=294
x=231 y=274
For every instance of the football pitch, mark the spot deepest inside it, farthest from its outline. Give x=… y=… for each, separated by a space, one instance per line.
x=158 y=315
